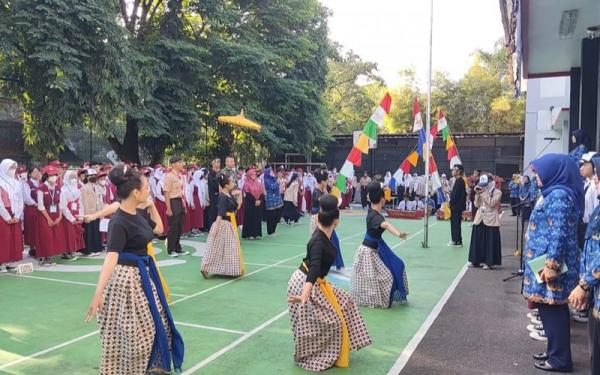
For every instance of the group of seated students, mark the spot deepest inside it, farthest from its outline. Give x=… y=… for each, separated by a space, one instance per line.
x=415 y=205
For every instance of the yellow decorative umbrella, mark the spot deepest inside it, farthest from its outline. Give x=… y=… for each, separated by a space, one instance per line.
x=240 y=121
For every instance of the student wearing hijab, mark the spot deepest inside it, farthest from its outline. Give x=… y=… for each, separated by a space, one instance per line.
x=29 y=186
x=254 y=194
x=486 y=248
x=273 y=201
x=11 y=211
x=195 y=195
x=72 y=210
x=290 y=201
x=51 y=239
x=552 y=234
x=580 y=144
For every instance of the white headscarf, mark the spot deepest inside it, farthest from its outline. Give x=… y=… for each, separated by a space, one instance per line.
x=387 y=179
x=11 y=185
x=73 y=193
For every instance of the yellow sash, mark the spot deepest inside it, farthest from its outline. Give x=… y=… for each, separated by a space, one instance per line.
x=343 y=359
x=233 y=220
x=150 y=250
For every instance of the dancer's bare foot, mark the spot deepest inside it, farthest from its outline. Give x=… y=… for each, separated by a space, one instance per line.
x=204 y=274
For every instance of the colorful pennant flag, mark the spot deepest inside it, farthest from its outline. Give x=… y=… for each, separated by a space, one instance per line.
x=443 y=124
x=452 y=152
x=449 y=143
x=405 y=166
x=368 y=135
x=418 y=123
x=413 y=158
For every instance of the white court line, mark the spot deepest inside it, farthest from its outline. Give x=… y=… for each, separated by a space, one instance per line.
x=237 y=342
x=414 y=342
x=262 y=264
x=210 y=328
x=69 y=281
x=23 y=359
x=50 y=279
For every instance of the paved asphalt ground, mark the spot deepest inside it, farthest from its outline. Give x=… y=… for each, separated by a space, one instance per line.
x=481 y=329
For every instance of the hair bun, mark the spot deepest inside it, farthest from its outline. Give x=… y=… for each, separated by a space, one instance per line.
x=119 y=174
x=328 y=202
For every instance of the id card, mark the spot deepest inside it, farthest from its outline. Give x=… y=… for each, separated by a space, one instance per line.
x=53 y=209
x=74 y=206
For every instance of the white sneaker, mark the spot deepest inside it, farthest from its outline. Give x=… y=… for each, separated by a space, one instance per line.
x=535 y=327
x=538 y=336
x=173 y=255
x=184 y=253
x=536 y=321
x=533 y=315
x=3 y=269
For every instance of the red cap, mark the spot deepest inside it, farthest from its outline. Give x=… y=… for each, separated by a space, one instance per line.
x=102 y=174
x=107 y=167
x=55 y=163
x=81 y=171
x=65 y=165
x=50 y=170
x=21 y=169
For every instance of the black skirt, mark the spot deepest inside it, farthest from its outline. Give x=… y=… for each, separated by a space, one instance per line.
x=290 y=212
x=486 y=247
x=252 y=218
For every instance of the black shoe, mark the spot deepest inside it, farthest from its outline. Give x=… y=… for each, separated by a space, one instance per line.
x=545 y=366
x=541 y=356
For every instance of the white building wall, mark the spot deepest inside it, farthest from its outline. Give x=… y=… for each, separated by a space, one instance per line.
x=544 y=94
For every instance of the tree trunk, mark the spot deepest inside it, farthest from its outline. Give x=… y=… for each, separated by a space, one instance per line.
x=128 y=150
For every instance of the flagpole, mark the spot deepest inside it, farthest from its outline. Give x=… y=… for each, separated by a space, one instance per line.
x=425 y=243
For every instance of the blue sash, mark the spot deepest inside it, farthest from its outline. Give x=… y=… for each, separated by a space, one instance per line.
x=339 y=261
x=396 y=267
x=160 y=347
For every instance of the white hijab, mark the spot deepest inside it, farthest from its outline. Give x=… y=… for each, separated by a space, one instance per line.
x=71 y=191
x=10 y=184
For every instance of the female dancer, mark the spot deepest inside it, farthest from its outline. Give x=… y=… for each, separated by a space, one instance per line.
x=379 y=276
x=325 y=321
x=322 y=179
x=136 y=327
x=11 y=210
x=223 y=250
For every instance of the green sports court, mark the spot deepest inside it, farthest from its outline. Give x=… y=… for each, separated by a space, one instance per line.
x=230 y=326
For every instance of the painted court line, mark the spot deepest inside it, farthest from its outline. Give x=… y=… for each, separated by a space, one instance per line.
x=262 y=264
x=411 y=237
x=237 y=342
x=69 y=281
x=50 y=279
x=414 y=342
x=200 y=326
x=23 y=359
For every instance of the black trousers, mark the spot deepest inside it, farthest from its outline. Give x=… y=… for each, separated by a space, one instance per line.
x=213 y=210
x=455 y=226
x=514 y=205
x=175 y=225
x=272 y=218
x=594 y=341
x=557 y=325
x=91 y=235
x=363 y=196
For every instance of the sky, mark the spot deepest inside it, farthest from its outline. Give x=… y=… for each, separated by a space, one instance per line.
x=395 y=33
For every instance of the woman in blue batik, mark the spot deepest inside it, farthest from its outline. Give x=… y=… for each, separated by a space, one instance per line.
x=525 y=195
x=552 y=233
x=514 y=194
x=378 y=276
x=580 y=143
x=273 y=202
x=589 y=280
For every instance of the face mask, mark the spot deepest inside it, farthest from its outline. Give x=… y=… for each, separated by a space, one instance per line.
x=52 y=179
x=102 y=183
x=23 y=176
x=73 y=181
x=12 y=172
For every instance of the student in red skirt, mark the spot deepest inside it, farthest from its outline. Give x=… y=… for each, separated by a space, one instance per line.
x=29 y=187
x=159 y=198
x=11 y=210
x=72 y=210
x=50 y=233
x=195 y=199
